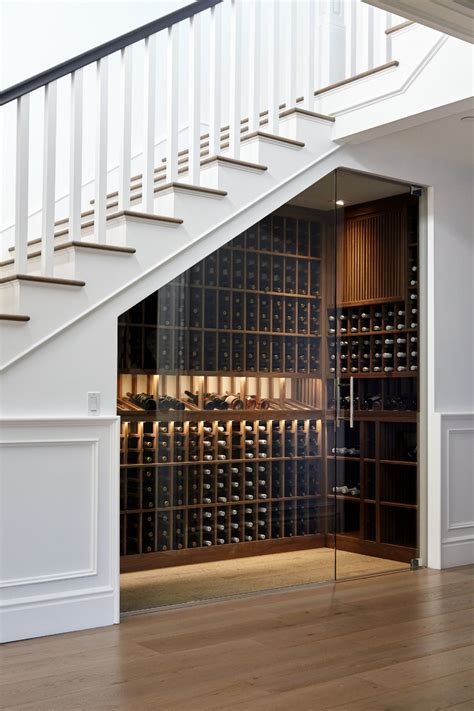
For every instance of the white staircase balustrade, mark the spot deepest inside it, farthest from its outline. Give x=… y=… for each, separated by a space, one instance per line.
x=259 y=57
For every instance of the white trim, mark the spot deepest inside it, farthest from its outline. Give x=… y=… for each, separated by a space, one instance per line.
x=58 y=603
x=447 y=473
x=23 y=603
x=389 y=94
x=425 y=375
x=86 y=572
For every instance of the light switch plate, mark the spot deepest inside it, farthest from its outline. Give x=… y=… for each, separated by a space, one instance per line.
x=93 y=403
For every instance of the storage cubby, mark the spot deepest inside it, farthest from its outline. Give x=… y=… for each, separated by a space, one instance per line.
x=370 y=480
x=398 y=441
x=398 y=526
x=398 y=484
x=347 y=518
x=370 y=529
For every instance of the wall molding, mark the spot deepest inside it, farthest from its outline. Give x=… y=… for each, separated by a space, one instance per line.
x=457 y=443
x=68 y=592
x=92 y=569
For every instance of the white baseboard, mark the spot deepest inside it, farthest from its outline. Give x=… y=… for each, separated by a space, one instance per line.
x=56 y=616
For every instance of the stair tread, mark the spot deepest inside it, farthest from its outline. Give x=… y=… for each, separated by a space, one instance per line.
x=349 y=80
x=77 y=243
x=306 y=112
x=273 y=137
x=90 y=223
x=233 y=161
x=42 y=280
x=14 y=317
x=96 y=246
x=191 y=188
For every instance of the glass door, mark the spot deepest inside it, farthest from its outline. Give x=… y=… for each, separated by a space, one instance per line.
x=373 y=350
x=220 y=393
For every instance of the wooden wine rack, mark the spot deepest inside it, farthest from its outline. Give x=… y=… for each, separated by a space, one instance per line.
x=254 y=319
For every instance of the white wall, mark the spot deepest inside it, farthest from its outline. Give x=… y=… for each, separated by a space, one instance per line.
x=54 y=382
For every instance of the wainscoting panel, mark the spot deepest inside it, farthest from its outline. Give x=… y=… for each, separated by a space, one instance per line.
x=457 y=499
x=59 y=513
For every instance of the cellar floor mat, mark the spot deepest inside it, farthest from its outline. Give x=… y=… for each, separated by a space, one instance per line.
x=205 y=581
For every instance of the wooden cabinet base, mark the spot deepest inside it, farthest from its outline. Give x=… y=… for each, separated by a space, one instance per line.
x=354 y=544
x=166 y=559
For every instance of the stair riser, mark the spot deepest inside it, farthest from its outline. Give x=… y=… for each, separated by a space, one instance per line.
x=242 y=184
x=200 y=210
x=262 y=150
x=315 y=133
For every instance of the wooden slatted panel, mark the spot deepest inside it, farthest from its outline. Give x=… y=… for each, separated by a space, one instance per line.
x=371 y=262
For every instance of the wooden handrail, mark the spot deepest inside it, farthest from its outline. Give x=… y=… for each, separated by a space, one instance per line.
x=103 y=50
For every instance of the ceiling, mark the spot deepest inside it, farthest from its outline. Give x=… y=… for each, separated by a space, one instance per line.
x=453 y=17
x=447 y=141
x=352 y=188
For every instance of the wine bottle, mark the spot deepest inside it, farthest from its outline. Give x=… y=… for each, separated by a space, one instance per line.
x=143 y=400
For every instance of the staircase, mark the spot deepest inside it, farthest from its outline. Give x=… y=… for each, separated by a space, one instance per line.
x=173 y=199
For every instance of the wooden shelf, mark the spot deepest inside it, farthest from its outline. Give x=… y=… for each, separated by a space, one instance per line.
x=375 y=415
x=377 y=376
x=222 y=462
x=217 y=505
x=399 y=462
x=363 y=334
x=316 y=374
x=251 y=332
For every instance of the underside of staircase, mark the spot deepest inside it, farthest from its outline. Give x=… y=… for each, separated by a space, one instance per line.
x=57 y=276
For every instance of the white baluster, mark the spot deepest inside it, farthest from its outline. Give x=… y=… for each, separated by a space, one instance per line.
x=21 y=182
x=350 y=21
x=100 y=200
x=148 y=175
x=292 y=32
x=215 y=92
x=75 y=160
x=235 y=79
x=389 y=23
x=194 y=45
x=362 y=57
x=332 y=42
x=310 y=32
x=370 y=37
x=172 y=115
x=381 y=45
x=273 y=68
x=49 y=179
x=255 y=39
x=125 y=127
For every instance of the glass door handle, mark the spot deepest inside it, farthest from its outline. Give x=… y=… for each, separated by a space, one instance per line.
x=338 y=401
x=351 y=400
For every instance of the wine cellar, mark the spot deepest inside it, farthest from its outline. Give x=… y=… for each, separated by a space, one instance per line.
x=269 y=395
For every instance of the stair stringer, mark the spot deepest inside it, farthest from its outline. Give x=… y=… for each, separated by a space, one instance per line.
x=56 y=375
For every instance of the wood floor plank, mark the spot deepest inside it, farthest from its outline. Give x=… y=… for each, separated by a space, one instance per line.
x=433 y=695
x=399 y=642
x=424 y=668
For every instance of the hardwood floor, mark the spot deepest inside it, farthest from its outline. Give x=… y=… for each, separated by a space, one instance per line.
x=395 y=642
